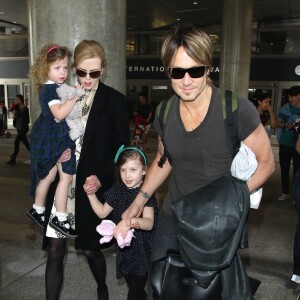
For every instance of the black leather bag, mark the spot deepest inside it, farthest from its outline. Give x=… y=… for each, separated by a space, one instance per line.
x=170 y=279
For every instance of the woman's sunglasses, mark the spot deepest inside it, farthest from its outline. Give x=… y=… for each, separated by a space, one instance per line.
x=93 y=74
x=195 y=72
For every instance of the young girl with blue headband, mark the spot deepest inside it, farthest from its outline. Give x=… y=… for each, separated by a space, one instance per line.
x=132 y=262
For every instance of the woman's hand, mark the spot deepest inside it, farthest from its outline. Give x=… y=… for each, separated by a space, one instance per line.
x=268 y=107
x=65 y=156
x=92 y=185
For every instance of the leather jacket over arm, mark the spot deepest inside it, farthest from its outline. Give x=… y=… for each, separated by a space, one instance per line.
x=209 y=224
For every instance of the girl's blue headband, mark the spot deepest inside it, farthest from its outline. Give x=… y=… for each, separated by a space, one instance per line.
x=123 y=148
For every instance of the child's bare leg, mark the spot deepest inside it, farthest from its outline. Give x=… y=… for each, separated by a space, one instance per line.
x=61 y=193
x=60 y=222
x=43 y=187
x=38 y=210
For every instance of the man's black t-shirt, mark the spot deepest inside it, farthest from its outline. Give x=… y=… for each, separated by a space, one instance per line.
x=202 y=155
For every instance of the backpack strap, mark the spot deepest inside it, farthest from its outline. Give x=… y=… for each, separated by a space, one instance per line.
x=230 y=116
x=162 y=112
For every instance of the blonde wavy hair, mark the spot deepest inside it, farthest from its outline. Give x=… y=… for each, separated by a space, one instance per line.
x=49 y=54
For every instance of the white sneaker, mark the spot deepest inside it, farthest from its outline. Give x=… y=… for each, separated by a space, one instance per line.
x=27 y=162
x=295 y=278
x=284 y=197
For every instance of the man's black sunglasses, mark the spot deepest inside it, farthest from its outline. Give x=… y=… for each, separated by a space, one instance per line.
x=93 y=74
x=195 y=72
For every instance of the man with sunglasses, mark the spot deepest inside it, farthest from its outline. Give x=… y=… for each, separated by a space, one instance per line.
x=195 y=136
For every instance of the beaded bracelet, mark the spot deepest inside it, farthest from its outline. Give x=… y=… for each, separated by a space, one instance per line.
x=144 y=194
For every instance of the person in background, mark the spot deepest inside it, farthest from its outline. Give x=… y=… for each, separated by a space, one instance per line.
x=132 y=262
x=143 y=114
x=3 y=108
x=137 y=136
x=13 y=106
x=296 y=249
x=195 y=137
x=22 y=120
x=263 y=105
x=105 y=117
x=3 y=117
x=286 y=118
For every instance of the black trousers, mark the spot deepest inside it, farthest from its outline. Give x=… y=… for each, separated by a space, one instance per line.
x=286 y=155
x=21 y=137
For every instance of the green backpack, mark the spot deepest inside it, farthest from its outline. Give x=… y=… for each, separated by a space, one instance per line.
x=230 y=116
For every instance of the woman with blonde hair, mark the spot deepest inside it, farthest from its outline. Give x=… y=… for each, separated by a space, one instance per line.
x=105 y=117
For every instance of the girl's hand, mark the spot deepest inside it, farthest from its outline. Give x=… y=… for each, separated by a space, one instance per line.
x=135 y=225
x=65 y=156
x=92 y=185
x=78 y=86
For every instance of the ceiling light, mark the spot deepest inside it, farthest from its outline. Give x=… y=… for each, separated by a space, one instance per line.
x=195 y=3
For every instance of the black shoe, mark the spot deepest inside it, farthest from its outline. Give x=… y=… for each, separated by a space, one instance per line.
x=37 y=218
x=61 y=228
x=11 y=162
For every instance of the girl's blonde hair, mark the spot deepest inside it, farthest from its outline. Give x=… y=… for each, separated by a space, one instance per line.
x=49 y=54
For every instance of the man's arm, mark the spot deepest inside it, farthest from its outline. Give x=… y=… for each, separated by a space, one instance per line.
x=154 y=179
x=280 y=123
x=149 y=117
x=259 y=142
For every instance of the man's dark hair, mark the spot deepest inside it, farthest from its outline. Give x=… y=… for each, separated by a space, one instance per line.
x=143 y=95
x=294 y=90
x=21 y=97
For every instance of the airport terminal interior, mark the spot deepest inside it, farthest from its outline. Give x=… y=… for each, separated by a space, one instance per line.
x=275 y=45
x=275 y=67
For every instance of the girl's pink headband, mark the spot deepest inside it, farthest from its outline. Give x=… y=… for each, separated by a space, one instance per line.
x=52 y=48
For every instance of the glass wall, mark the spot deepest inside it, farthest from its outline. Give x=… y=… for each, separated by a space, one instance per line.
x=268 y=38
x=14 y=46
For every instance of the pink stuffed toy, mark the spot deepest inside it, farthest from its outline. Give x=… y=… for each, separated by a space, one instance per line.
x=106 y=228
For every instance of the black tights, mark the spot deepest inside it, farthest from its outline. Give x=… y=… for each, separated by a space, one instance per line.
x=55 y=267
x=97 y=263
x=136 y=287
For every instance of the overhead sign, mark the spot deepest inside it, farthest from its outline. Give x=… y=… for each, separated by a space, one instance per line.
x=261 y=69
